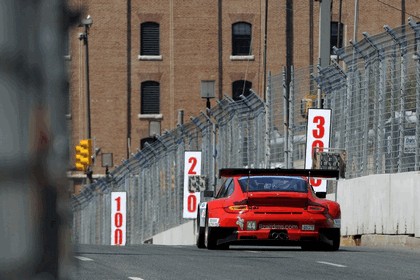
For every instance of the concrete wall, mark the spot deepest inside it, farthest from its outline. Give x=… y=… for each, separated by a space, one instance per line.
x=380 y=204
x=180 y=235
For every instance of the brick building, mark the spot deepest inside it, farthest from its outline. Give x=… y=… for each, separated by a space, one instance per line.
x=149 y=59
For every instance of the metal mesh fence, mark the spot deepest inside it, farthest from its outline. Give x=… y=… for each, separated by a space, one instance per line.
x=230 y=134
x=376 y=101
x=374 y=95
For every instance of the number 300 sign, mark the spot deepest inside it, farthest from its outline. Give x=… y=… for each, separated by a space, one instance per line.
x=118 y=218
x=192 y=166
x=317 y=136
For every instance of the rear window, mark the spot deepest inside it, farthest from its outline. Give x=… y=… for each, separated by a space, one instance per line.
x=273 y=184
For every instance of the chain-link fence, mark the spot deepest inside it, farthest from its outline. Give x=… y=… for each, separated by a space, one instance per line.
x=374 y=95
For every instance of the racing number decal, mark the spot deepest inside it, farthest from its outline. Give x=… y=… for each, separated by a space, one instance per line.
x=317 y=137
x=191 y=199
x=118 y=214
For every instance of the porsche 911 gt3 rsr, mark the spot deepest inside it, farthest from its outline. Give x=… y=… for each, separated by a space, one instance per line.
x=269 y=207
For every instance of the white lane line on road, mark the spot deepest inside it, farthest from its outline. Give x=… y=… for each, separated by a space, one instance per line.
x=135 y=278
x=83 y=258
x=332 y=264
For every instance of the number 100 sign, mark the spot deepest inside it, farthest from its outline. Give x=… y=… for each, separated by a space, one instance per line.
x=118 y=218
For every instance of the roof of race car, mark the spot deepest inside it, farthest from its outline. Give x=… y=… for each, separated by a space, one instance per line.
x=319 y=173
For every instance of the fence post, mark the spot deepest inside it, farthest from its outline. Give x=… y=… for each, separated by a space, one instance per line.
x=403 y=78
x=381 y=102
x=291 y=123
x=285 y=120
x=268 y=120
x=416 y=29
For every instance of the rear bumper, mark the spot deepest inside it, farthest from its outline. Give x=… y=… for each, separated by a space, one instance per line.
x=276 y=234
x=274 y=237
x=282 y=228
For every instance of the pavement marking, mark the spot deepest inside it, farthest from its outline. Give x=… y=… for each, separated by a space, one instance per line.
x=255 y=252
x=332 y=264
x=135 y=278
x=83 y=258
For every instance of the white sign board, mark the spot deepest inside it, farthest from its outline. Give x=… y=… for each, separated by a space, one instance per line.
x=410 y=144
x=317 y=136
x=118 y=218
x=192 y=167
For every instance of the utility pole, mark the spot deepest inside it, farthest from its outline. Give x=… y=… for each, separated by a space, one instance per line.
x=87 y=23
x=324 y=38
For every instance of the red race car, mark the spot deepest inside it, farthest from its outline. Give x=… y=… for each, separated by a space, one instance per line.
x=269 y=207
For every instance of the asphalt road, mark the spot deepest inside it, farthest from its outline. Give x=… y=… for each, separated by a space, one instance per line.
x=155 y=262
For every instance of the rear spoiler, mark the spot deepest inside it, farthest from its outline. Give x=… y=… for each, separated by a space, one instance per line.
x=318 y=173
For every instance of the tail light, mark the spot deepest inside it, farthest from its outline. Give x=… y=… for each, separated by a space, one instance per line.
x=316 y=208
x=238 y=206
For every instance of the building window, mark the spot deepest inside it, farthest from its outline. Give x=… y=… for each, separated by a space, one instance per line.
x=336 y=38
x=239 y=88
x=150 y=98
x=241 y=38
x=149 y=37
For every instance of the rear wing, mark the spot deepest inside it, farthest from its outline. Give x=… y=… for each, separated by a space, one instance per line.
x=311 y=173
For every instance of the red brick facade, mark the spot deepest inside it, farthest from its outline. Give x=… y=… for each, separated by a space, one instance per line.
x=190 y=50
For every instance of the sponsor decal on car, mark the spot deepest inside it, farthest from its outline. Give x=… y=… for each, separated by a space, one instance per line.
x=277 y=226
x=308 y=227
x=240 y=223
x=213 y=222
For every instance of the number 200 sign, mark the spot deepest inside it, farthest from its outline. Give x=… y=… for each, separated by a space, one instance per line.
x=192 y=166
x=118 y=218
x=317 y=136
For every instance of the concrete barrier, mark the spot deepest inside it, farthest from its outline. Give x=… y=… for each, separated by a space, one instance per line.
x=379 y=240
x=380 y=204
x=180 y=235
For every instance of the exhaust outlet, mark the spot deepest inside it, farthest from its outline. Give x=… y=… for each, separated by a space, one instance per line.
x=279 y=235
x=283 y=236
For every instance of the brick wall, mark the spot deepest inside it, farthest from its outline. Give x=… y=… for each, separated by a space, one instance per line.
x=190 y=53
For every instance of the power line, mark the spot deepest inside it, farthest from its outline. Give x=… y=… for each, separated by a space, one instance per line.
x=398 y=9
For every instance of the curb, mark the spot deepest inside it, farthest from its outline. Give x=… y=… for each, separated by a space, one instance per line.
x=377 y=240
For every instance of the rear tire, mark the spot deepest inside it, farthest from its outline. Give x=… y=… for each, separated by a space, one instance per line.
x=200 y=234
x=334 y=236
x=210 y=237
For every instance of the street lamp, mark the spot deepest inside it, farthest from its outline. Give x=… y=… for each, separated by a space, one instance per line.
x=207 y=91
x=86 y=23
